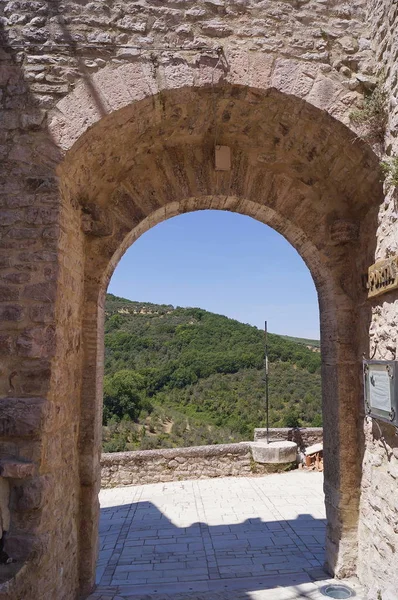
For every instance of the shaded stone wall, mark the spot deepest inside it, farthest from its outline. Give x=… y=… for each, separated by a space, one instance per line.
x=378 y=531
x=173 y=464
x=38 y=405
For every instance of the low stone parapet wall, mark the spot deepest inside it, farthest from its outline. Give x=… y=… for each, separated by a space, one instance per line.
x=173 y=464
x=303 y=436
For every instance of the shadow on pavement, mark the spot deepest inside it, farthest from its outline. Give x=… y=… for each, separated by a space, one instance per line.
x=143 y=552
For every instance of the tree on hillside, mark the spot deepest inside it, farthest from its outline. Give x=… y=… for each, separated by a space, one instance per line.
x=291 y=419
x=123 y=395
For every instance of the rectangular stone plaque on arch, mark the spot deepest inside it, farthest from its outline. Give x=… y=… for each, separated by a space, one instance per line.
x=383 y=276
x=223 y=158
x=381 y=390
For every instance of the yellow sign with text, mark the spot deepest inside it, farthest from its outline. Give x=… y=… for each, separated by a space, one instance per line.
x=383 y=277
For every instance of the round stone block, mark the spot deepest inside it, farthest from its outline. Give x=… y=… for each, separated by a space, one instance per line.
x=275 y=452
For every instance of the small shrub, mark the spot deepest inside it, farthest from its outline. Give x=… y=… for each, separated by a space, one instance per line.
x=390 y=170
x=372 y=116
x=291 y=418
x=253 y=465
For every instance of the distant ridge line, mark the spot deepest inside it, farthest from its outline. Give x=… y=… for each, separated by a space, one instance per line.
x=167 y=308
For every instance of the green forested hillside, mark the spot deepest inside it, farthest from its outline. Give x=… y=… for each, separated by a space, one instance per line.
x=184 y=376
x=315 y=344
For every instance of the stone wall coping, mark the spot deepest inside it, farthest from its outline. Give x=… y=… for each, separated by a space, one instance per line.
x=241 y=448
x=111 y=458
x=286 y=429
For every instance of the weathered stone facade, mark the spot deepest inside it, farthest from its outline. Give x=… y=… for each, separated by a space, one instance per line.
x=378 y=531
x=110 y=112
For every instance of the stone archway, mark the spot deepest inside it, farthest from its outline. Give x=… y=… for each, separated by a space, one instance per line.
x=294 y=168
x=152 y=92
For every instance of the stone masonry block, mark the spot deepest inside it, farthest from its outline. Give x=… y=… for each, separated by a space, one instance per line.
x=21 y=417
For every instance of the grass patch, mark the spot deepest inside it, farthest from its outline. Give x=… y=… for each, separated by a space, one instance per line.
x=372 y=117
x=390 y=170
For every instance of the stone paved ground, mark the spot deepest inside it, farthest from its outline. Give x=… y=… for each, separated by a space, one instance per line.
x=237 y=538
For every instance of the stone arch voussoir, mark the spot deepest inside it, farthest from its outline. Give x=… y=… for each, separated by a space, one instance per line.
x=116 y=86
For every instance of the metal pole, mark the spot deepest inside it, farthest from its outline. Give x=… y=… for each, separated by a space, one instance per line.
x=266 y=381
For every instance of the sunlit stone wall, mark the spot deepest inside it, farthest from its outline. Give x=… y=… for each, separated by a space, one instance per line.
x=378 y=531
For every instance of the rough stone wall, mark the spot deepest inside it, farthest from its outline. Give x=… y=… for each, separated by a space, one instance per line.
x=303 y=436
x=62 y=42
x=173 y=464
x=37 y=422
x=378 y=531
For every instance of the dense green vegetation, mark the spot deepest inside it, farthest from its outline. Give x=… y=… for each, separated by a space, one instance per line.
x=305 y=342
x=184 y=376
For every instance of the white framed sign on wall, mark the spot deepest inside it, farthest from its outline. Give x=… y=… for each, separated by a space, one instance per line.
x=381 y=390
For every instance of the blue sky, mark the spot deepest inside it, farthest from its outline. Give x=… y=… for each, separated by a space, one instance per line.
x=225 y=263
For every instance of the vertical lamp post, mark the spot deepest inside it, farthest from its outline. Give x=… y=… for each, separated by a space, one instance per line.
x=266 y=381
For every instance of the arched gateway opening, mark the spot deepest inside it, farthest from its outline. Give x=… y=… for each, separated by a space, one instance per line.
x=184 y=325
x=294 y=168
